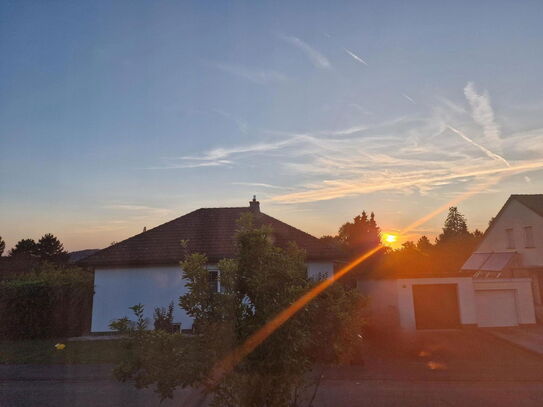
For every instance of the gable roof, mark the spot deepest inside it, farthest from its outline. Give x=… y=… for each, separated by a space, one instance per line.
x=210 y=231
x=534 y=202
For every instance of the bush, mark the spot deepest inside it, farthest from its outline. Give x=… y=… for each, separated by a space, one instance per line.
x=45 y=303
x=164 y=319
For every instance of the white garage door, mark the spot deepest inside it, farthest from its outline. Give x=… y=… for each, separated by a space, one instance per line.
x=496 y=308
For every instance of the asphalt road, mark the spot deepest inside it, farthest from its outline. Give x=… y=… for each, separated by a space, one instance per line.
x=454 y=368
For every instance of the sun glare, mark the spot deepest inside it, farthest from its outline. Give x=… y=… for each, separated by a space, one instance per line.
x=390 y=238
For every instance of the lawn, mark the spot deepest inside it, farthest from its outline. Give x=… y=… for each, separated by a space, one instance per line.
x=43 y=351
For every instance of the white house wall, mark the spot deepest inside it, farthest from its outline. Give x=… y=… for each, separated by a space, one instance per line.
x=516 y=216
x=320 y=270
x=117 y=289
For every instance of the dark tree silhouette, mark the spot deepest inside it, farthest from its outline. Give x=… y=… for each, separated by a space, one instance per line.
x=50 y=249
x=2 y=245
x=25 y=248
x=360 y=235
x=424 y=245
x=455 y=227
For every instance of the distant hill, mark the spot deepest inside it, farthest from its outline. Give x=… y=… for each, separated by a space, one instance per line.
x=81 y=254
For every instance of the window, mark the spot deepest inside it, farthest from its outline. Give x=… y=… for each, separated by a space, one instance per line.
x=510 y=238
x=214 y=280
x=528 y=236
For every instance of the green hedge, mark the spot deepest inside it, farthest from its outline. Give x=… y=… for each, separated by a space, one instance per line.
x=46 y=303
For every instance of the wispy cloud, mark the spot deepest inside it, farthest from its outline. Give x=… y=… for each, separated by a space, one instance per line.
x=482 y=113
x=318 y=59
x=339 y=189
x=260 y=185
x=355 y=57
x=404 y=155
x=242 y=125
x=261 y=77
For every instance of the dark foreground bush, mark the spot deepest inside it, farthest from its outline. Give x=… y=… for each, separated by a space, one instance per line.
x=45 y=303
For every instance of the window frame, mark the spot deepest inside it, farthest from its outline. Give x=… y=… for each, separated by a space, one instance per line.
x=510 y=236
x=529 y=241
x=217 y=280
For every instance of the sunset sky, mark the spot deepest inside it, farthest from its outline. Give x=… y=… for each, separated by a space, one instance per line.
x=119 y=115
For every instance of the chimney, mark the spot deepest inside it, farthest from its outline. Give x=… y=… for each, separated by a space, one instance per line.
x=254 y=205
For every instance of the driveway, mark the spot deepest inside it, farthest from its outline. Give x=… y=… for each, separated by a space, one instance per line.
x=438 y=368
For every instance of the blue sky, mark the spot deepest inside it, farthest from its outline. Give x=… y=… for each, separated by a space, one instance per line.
x=120 y=115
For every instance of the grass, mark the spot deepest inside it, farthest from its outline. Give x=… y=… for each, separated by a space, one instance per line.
x=43 y=351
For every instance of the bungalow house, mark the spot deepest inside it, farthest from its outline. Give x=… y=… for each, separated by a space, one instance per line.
x=496 y=286
x=145 y=268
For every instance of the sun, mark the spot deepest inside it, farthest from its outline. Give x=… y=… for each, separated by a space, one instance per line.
x=390 y=238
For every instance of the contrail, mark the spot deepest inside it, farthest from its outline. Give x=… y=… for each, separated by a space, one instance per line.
x=355 y=56
x=408 y=98
x=489 y=153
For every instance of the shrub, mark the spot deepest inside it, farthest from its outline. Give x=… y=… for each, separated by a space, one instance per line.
x=164 y=319
x=47 y=302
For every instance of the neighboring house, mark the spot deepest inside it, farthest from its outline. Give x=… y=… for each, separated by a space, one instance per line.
x=496 y=286
x=145 y=268
x=511 y=253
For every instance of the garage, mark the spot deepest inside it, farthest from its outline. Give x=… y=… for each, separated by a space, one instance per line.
x=496 y=308
x=436 y=306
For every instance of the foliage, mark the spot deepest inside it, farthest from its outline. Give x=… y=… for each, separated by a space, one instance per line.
x=424 y=245
x=2 y=246
x=255 y=286
x=47 y=302
x=360 y=235
x=163 y=319
x=50 y=249
x=25 y=248
x=47 y=249
x=455 y=227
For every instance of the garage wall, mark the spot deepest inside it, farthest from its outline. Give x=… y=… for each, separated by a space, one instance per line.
x=383 y=303
x=523 y=295
x=404 y=287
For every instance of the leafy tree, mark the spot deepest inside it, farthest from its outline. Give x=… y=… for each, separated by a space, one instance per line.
x=25 y=248
x=50 y=249
x=424 y=245
x=2 y=246
x=360 y=235
x=409 y=245
x=259 y=283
